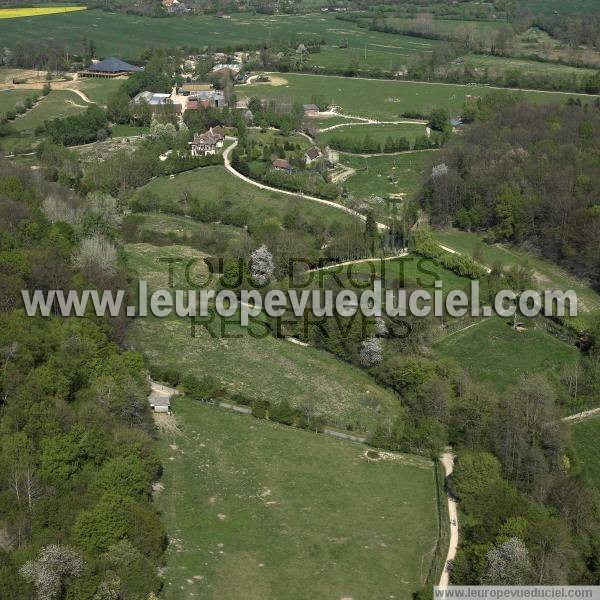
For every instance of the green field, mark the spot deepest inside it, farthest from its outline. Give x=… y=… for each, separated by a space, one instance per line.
x=258 y=366
x=125 y=36
x=586 y=443
x=57 y=103
x=548 y=274
x=493 y=352
x=257 y=510
x=385 y=175
x=381 y=99
x=570 y=8
x=216 y=184
x=498 y=66
x=450 y=26
x=8 y=98
x=98 y=89
x=409 y=271
x=378 y=133
x=361 y=54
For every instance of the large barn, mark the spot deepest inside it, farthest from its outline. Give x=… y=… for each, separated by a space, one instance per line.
x=109 y=67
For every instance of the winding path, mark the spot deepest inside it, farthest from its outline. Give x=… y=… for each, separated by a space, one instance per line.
x=227 y=163
x=448 y=462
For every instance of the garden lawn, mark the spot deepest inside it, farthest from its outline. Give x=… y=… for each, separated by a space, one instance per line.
x=586 y=443
x=259 y=510
x=492 y=351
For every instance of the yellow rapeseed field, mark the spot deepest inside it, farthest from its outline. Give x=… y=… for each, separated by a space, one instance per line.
x=15 y=13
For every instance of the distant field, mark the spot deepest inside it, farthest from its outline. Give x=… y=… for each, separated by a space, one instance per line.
x=283 y=513
x=547 y=274
x=258 y=366
x=381 y=99
x=493 y=352
x=19 y=13
x=586 y=442
x=572 y=7
x=216 y=184
x=451 y=26
x=364 y=54
x=126 y=36
x=498 y=66
x=378 y=133
x=373 y=174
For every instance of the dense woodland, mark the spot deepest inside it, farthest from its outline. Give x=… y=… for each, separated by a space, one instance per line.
x=525 y=174
x=78 y=452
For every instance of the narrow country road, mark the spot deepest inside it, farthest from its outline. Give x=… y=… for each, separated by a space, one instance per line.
x=448 y=462
x=227 y=163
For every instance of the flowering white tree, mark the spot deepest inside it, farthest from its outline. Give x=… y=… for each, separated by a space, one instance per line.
x=508 y=564
x=381 y=327
x=371 y=352
x=49 y=570
x=439 y=170
x=261 y=265
x=96 y=255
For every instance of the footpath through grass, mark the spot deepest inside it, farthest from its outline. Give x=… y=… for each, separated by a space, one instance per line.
x=259 y=511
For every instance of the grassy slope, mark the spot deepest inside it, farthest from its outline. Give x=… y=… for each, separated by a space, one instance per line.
x=498 y=65
x=548 y=274
x=283 y=513
x=586 y=443
x=380 y=99
x=405 y=168
x=493 y=352
x=56 y=104
x=98 y=90
x=213 y=183
x=8 y=98
x=259 y=366
x=378 y=133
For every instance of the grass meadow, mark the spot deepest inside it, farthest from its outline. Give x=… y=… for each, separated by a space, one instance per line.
x=493 y=352
x=378 y=133
x=381 y=99
x=586 y=443
x=385 y=175
x=250 y=362
x=217 y=184
x=547 y=274
x=58 y=103
x=283 y=513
